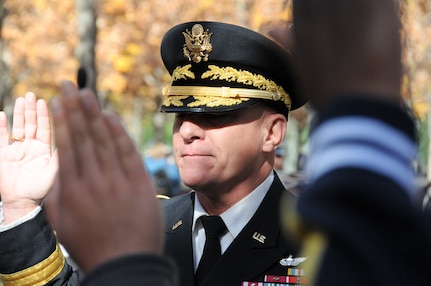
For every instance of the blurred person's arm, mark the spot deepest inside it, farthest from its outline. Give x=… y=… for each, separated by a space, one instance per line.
x=358 y=220
x=100 y=166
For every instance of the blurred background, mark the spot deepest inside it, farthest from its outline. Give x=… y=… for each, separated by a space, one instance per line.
x=116 y=42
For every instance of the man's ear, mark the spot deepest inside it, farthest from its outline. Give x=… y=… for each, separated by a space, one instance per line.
x=276 y=125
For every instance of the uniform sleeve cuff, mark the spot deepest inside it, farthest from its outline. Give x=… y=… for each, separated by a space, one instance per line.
x=365 y=134
x=27 y=217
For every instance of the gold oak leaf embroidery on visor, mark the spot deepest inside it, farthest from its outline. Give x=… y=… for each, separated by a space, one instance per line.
x=214 y=102
x=222 y=96
x=230 y=74
x=183 y=73
x=174 y=100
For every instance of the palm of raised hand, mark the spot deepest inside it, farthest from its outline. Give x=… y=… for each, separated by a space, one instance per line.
x=27 y=170
x=27 y=164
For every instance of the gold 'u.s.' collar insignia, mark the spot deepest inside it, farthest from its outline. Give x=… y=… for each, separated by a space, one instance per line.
x=197 y=46
x=177 y=224
x=259 y=237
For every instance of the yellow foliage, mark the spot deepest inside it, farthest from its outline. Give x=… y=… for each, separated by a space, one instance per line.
x=122 y=63
x=40 y=37
x=207 y=3
x=133 y=49
x=114 y=82
x=421 y=109
x=114 y=7
x=418 y=31
x=40 y=5
x=20 y=89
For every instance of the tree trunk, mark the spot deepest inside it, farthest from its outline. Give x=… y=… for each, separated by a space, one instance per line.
x=85 y=51
x=5 y=79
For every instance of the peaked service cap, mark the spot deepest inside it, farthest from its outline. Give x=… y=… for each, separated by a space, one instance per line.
x=219 y=67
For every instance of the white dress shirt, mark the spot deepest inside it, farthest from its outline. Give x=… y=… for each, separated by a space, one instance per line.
x=235 y=218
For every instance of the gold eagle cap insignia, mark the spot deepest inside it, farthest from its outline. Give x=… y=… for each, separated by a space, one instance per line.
x=197 y=46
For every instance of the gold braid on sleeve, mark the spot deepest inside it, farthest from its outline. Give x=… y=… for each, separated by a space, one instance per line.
x=38 y=274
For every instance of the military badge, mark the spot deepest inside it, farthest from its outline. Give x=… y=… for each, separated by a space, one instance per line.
x=290 y=261
x=197 y=46
x=176 y=225
x=276 y=280
x=259 y=237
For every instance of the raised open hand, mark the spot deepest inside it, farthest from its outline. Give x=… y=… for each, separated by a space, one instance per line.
x=27 y=163
x=361 y=56
x=348 y=47
x=103 y=203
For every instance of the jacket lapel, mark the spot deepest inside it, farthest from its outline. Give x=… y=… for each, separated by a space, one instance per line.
x=258 y=248
x=178 y=236
x=256 y=251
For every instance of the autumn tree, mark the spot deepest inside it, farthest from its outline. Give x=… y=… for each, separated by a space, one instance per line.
x=43 y=38
x=417 y=83
x=86 y=48
x=40 y=37
x=5 y=81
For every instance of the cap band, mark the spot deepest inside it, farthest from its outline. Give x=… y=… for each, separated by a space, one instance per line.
x=204 y=95
x=236 y=95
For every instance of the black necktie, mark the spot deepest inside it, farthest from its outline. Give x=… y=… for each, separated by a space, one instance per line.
x=214 y=228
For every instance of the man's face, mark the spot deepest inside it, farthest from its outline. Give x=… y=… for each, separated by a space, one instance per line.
x=219 y=151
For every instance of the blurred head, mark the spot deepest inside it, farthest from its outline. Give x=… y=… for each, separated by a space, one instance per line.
x=280 y=154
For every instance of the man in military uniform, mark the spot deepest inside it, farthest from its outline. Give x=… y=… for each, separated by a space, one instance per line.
x=231 y=91
x=360 y=222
